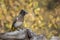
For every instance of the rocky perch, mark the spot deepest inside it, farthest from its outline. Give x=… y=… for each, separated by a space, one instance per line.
x=22 y=34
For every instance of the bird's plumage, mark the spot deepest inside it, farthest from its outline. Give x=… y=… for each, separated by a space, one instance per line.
x=19 y=19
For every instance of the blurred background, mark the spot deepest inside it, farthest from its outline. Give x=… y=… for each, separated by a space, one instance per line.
x=43 y=15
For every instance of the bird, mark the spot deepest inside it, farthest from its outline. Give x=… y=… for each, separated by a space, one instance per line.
x=18 y=21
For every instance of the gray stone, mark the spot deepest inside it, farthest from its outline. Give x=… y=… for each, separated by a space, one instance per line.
x=55 y=38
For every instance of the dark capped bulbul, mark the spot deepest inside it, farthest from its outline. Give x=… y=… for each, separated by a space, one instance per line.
x=18 y=21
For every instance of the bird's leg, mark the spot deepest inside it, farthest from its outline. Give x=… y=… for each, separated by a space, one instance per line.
x=13 y=29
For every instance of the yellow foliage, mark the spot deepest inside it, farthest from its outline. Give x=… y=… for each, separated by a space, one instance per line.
x=50 y=16
x=58 y=19
x=53 y=20
x=41 y=18
x=35 y=4
x=30 y=5
x=37 y=10
x=38 y=18
x=49 y=25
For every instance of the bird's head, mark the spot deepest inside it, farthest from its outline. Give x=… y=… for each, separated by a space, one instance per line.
x=23 y=13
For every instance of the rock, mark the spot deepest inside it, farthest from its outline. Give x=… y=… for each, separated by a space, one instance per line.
x=38 y=37
x=55 y=38
x=22 y=34
x=18 y=34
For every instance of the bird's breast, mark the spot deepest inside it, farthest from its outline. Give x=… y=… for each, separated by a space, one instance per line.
x=17 y=24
